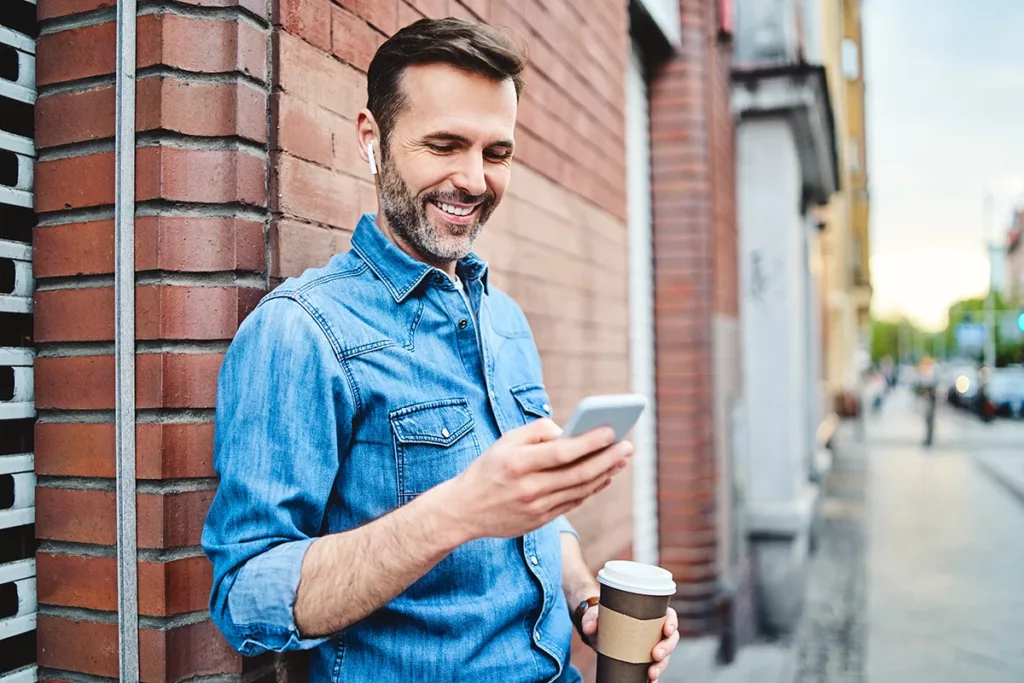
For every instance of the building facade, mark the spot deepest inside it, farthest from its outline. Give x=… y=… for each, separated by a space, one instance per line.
x=235 y=169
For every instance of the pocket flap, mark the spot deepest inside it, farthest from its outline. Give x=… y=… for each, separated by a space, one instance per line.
x=533 y=399
x=439 y=423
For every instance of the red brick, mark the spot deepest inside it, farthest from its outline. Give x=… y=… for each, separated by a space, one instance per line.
x=304 y=190
x=177 y=380
x=88 y=647
x=162 y=381
x=75 y=182
x=308 y=19
x=431 y=8
x=81 y=516
x=64 y=118
x=202 y=109
x=257 y=7
x=161 y=312
x=407 y=14
x=201 y=45
x=199 y=244
x=383 y=14
x=352 y=40
x=346 y=150
x=301 y=129
x=76 y=53
x=185 y=652
x=480 y=8
x=296 y=246
x=165 y=588
x=49 y=9
x=317 y=77
x=177 y=450
x=172 y=520
x=176 y=587
x=193 y=175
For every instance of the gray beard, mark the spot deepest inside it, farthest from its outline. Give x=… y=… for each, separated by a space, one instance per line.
x=408 y=218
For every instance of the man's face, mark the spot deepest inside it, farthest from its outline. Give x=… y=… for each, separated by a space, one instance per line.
x=448 y=160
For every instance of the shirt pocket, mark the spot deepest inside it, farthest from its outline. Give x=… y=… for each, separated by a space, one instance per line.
x=533 y=401
x=434 y=442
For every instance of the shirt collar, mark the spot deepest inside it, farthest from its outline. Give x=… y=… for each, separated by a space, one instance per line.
x=399 y=272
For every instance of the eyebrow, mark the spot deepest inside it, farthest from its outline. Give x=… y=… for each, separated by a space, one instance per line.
x=461 y=139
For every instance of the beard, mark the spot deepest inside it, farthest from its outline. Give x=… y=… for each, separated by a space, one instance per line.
x=409 y=219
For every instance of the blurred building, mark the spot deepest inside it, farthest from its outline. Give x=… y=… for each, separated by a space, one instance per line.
x=844 y=245
x=786 y=171
x=1014 y=262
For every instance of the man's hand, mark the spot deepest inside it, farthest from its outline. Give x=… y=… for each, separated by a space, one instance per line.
x=662 y=651
x=530 y=476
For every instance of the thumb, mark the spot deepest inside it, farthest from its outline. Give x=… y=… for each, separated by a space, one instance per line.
x=589 y=622
x=537 y=431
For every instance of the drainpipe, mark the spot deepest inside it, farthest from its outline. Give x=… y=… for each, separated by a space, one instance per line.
x=124 y=345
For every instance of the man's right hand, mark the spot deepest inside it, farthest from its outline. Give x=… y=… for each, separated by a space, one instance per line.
x=531 y=476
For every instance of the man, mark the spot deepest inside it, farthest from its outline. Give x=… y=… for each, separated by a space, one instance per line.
x=392 y=487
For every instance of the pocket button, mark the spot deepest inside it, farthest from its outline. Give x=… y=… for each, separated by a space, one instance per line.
x=444 y=433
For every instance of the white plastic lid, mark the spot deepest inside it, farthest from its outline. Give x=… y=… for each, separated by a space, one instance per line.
x=635 y=577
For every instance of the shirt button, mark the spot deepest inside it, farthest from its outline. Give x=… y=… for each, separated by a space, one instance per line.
x=533 y=558
x=536 y=636
x=444 y=433
x=463 y=324
x=547 y=408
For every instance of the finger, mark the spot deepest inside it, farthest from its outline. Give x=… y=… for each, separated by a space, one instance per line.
x=561 y=452
x=589 y=622
x=671 y=622
x=560 y=493
x=585 y=475
x=536 y=432
x=657 y=669
x=663 y=650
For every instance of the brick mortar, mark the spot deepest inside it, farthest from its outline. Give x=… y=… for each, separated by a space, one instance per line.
x=142 y=416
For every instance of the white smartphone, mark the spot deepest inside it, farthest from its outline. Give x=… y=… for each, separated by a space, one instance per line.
x=618 y=411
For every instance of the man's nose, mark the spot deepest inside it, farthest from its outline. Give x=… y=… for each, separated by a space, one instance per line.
x=470 y=177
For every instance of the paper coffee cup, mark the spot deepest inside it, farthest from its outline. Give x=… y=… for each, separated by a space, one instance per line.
x=634 y=601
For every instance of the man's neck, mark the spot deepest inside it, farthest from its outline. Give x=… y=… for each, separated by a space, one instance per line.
x=385 y=227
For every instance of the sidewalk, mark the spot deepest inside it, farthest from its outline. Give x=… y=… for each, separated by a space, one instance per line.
x=694 y=662
x=1005 y=468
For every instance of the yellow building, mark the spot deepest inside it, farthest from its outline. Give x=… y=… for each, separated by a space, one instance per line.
x=844 y=245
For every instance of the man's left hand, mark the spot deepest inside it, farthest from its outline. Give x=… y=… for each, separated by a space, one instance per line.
x=662 y=651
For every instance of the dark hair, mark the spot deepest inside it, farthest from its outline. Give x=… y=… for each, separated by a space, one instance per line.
x=476 y=48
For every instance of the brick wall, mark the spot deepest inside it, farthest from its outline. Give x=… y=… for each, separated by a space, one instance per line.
x=201 y=187
x=696 y=305
x=247 y=173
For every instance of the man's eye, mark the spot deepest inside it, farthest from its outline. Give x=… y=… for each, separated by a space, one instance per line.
x=441 y=149
x=499 y=155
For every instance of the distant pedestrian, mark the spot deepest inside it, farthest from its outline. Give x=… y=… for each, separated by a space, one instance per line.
x=927 y=389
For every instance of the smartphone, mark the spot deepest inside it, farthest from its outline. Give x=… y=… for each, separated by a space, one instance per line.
x=618 y=411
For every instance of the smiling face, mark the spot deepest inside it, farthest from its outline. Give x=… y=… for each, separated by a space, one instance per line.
x=447 y=161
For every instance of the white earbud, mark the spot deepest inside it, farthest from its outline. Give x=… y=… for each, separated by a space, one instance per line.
x=373 y=160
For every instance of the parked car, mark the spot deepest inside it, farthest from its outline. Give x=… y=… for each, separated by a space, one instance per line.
x=963 y=386
x=1002 y=395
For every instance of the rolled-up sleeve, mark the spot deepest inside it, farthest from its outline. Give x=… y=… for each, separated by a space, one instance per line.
x=564 y=526
x=284 y=412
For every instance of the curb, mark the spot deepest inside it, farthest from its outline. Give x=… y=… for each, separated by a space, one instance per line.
x=1002 y=475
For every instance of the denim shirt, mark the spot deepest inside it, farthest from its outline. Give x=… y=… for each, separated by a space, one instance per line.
x=345 y=394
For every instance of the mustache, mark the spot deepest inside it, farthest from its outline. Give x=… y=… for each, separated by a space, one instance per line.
x=460 y=197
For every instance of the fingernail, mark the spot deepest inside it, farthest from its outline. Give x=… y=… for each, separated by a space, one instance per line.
x=621 y=465
x=671 y=629
x=608 y=434
x=659 y=653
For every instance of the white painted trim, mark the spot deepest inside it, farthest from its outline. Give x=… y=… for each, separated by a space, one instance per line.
x=17 y=517
x=15 y=626
x=17 y=570
x=28 y=674
x=18 y=462
x=641 y=312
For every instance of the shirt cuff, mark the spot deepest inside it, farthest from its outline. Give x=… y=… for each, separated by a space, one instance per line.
x=563 y=526
x=262 y=600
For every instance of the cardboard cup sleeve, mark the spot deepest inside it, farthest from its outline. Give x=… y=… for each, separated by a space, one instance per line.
x=626 y=638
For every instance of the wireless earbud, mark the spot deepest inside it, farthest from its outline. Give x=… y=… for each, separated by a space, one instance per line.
x=373 y=160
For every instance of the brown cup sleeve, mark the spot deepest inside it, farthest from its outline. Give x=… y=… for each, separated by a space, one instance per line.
x=627 y=639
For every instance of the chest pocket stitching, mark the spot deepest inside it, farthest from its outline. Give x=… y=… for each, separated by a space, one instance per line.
x=532 y=399
x=418 y=432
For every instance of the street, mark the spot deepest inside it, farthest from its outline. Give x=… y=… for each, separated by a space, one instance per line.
x=919 y=576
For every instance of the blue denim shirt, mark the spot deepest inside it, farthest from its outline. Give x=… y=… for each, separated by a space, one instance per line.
x=346 y=393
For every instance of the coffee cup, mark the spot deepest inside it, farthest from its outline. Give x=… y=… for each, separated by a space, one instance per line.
x=634 y=602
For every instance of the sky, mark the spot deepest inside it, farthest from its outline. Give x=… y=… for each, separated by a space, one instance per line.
x=945 y=104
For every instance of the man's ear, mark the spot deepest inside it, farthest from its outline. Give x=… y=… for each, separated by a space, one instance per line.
x=368 y=139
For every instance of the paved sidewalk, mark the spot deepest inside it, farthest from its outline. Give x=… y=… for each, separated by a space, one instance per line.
x=1006 y=468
